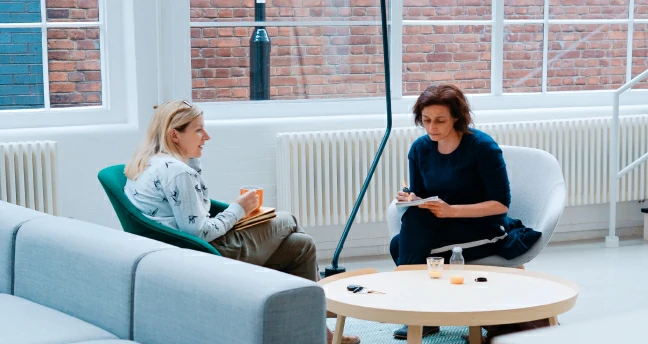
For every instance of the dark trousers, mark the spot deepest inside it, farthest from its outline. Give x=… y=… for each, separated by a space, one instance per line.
x=422 y=232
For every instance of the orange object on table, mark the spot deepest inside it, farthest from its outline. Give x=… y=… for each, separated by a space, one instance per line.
x=456 y=279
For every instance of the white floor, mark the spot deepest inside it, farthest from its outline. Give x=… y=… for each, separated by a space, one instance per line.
x=611 y=280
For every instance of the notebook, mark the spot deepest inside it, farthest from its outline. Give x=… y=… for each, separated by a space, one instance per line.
x=417 y=202
x=261 y=215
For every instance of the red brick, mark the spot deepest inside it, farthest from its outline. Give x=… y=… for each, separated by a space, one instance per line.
x=88 y=86
x=57 y=66
x=60 y=3
x=58 y=76
x=88 y=65
x=62 y=87
x=77 y=76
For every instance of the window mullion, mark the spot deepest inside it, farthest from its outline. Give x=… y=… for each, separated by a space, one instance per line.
x=497 y=47
x=46 y=90
x=630 y=40
x=396 y=48
x=103 y=55
x=545 y=46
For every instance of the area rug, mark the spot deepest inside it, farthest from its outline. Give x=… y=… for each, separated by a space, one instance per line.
x=378 y=333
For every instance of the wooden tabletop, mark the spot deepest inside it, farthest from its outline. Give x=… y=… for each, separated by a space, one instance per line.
x=411 y=297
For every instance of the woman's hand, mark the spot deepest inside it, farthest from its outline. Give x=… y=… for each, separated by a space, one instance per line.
x=248 y=201
x=406 y=197
x=439 y=208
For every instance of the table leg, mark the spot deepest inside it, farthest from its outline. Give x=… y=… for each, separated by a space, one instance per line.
x=414 y=334
x=553 y=321
x=339 y=329
x=475 y=335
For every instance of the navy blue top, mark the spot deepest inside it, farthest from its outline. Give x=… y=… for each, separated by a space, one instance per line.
x=474 y=172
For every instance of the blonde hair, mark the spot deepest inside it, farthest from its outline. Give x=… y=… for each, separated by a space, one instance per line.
x=171 y=115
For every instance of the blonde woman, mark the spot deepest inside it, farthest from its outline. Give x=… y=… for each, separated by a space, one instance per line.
x=165 y=183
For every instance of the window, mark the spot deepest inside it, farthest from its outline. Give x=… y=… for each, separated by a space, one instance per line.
x=66 y=34
x=532 y=52
x=318 y=49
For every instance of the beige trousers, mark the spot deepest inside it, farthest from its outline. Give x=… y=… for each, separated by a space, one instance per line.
x=280 y=244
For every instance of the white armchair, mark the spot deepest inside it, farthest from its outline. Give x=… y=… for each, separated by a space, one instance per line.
x=538 y=198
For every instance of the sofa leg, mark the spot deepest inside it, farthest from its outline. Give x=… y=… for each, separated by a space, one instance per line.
x=521 y=267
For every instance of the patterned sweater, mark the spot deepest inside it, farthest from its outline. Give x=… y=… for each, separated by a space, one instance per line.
x=174 y=194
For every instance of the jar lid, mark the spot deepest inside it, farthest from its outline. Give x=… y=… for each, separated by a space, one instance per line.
x=457 y=249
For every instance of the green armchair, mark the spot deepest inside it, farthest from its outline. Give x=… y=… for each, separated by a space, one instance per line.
x=133 y=221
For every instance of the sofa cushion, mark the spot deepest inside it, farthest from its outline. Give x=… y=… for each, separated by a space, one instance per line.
x=81 y=269
x=26 y=322
x=184 y=296
x=12 y=217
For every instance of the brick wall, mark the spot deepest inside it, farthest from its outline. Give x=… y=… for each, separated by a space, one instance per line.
x=335 y=62
x=74 y=55
x=74 y=59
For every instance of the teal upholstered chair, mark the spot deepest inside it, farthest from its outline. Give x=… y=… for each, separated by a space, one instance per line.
x=133 y=221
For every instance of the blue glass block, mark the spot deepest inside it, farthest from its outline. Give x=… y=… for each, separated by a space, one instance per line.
x=21 y=68
x=28 y=79
x=20 y=11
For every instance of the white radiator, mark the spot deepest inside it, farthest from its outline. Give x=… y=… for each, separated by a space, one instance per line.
x=28 y=175
x=320 y=174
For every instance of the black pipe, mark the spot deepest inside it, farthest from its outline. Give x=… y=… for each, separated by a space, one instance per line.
x=334 y=268
x=259 y=57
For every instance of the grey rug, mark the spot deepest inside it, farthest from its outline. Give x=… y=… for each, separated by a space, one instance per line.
x=378 y=333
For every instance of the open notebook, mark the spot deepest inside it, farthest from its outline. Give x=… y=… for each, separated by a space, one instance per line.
x=417 y=202
x=261 y=215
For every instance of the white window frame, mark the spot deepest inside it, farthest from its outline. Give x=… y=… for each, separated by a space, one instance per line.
x=594 y=102
x=113 y=93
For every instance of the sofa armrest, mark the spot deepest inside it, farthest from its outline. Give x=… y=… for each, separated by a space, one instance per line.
x=183 y=296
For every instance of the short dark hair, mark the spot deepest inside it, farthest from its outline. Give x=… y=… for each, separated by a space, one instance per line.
x=446 y=95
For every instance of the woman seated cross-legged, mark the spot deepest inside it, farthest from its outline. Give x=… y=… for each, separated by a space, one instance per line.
x=465 y=169
x=165 y=183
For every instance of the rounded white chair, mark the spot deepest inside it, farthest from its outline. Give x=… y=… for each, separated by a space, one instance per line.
x=538 y=197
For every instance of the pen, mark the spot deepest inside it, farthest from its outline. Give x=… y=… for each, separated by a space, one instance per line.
x=406 y=189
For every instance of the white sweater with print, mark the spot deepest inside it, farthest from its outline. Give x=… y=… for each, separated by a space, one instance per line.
x=173 y=193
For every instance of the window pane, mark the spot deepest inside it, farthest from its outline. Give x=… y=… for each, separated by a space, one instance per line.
x=72 y=10
x=446 y=54
x=641 y=9
x=586 y=57
x=21 y=69
x=306 y=62
x=588 y=9
x=74 y=67
x=447 y=9
x=21 y=11
x=529 y=9
x=285 y=10
x=523 y=58
x=640 y=53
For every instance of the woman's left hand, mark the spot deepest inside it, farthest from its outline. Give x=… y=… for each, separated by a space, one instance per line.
x=439 y=208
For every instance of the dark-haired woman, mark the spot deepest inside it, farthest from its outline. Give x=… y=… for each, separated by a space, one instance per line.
x=464 y=167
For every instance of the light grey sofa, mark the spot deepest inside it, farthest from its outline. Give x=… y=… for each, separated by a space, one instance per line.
x=68 y=281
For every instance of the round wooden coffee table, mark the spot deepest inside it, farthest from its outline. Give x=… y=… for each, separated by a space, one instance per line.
x=412 y=298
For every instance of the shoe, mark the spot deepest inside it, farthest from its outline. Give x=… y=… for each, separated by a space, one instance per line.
x=346 y=340
x=401 y=333
x=467 y=338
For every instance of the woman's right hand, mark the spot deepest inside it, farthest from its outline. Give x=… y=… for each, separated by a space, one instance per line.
x=406 y=197
x=248 y=201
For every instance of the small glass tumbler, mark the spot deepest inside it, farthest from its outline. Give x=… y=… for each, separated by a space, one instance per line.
x=435 y=267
